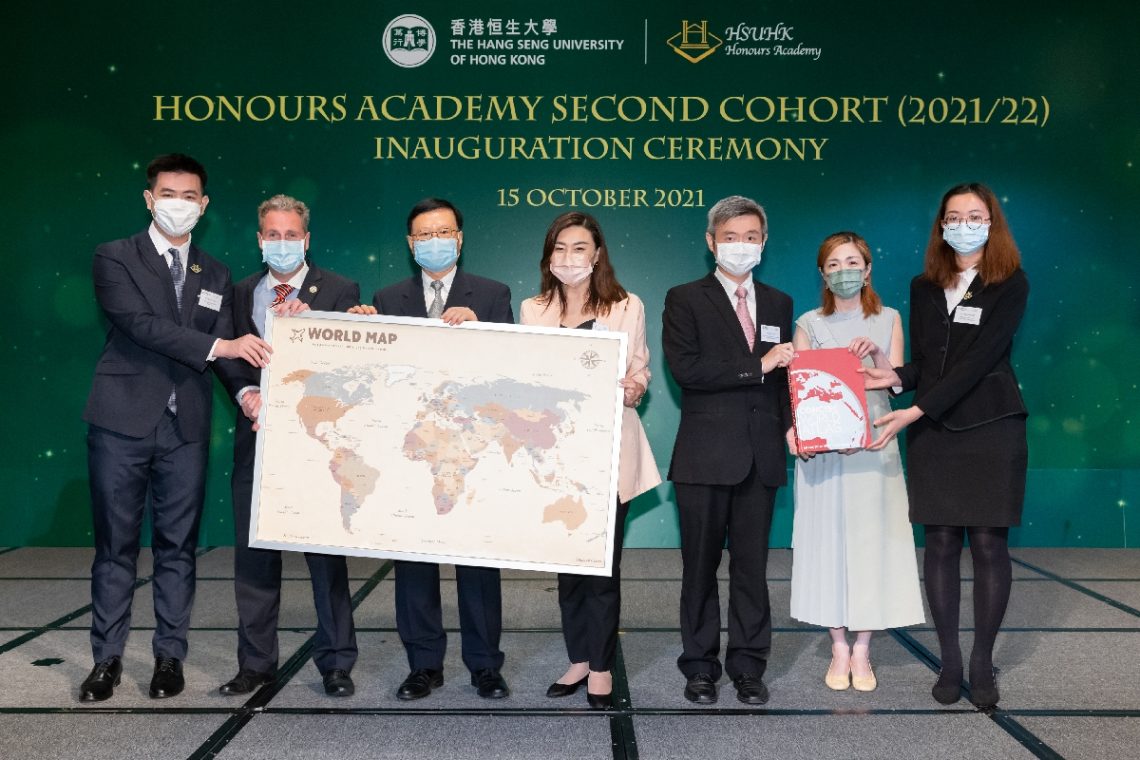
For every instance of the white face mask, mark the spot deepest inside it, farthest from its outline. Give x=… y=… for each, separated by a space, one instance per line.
x=571 y=274
x=175 y=216
x=738 y=258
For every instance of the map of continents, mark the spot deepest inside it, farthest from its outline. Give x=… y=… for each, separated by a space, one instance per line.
x=453 y=427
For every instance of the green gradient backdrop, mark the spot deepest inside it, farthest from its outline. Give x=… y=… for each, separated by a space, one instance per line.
x=80 y=128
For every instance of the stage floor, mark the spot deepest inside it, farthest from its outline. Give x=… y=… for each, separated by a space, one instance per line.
x=1069 y=660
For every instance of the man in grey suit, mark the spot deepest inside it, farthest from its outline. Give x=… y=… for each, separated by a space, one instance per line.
x=441 y=290
x=167 y=304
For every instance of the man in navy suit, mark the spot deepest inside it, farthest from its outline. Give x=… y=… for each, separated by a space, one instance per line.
x=726 y=339
x=168 y=305
x=435 y=239
x=289 y=285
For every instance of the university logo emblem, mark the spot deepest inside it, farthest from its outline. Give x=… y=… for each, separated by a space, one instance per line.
x=694 y=42
x=409 y=41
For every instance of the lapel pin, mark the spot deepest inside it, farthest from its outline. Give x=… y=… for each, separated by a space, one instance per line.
x=968 y=296
x=312 y=288
x=196 y=268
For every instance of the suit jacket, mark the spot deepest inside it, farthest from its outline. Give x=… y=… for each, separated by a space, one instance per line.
x=322 y=290
x=732 y=415
x=637 y=469
x=150 y=346
x=489 y=299
x=961 y=372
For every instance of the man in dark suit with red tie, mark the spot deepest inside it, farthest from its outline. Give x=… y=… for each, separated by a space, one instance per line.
x=435 y=239
x=289 y=285
x=726 y=340
x=168 y=308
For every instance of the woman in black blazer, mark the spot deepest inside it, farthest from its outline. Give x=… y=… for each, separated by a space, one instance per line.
x=967 y=452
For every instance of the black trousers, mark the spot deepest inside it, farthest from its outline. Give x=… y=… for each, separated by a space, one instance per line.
x=419 y=615
x=591 y=608
x=125 y=473
x=708 y=514
x=257 y=591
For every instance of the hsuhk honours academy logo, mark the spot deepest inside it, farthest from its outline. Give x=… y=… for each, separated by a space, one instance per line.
x=409 y=41
x=694 y=42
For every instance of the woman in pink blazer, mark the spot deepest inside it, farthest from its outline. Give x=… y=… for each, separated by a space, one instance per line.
x=580 y=291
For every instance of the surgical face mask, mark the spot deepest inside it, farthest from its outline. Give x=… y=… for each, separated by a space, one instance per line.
x=845 y=283
x=283 y=256
x=175 y=216
x=738 y=258
x=572 y=274
x=436 y=254
x=965 y=240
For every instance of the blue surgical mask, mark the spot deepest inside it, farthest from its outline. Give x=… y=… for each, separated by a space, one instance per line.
x=845 y=283
x=965 y=240
x=436 y=254
x=283 y=256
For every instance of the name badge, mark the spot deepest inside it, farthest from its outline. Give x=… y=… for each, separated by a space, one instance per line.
x=968 y=315
x=769 y=334
x=208 y=300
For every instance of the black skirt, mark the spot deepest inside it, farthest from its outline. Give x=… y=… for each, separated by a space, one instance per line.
x=972 y=477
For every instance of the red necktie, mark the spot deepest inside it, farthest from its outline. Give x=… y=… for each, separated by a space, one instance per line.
x=744 y=317
x=283 y=290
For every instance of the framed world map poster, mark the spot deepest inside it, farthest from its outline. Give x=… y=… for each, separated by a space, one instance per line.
x=480 y=444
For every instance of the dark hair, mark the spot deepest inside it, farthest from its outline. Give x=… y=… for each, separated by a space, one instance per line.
x=605 y=290
x=177 y=163
x=431 y=204
x=870 y=300
x=1000 y=257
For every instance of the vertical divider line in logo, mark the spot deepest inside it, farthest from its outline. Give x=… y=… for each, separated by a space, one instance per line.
x=645 y=45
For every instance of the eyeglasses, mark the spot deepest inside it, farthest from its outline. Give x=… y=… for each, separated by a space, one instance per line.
x=445 y=233
x=973 y=221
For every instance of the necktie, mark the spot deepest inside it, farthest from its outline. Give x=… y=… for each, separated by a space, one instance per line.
x=436 y=308
x=178 y=274
x=282 y=290
x=744 y=317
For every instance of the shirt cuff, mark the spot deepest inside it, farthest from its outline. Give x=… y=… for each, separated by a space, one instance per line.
x=240 y=394
x=213 y=348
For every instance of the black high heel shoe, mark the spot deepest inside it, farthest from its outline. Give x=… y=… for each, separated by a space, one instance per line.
x=600 y=701
x=983 y=689
x=557 y=690
x=948 y=689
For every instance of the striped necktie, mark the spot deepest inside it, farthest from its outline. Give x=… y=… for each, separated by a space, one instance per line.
x=282 y=290
x=178 y=274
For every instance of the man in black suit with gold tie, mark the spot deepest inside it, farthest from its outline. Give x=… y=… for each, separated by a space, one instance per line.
x=726 y=341
x=289 y=285
x=440 y=290
x=168 y=307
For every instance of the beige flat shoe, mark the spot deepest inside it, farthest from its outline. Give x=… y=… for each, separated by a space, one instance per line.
x=837 y=679
x=864 y=683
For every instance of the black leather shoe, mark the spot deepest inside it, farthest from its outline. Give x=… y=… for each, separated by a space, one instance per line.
x=600 y=701
x=750 y=690
x=948 y=689
x=101 y=683
x=167 y=680
x=245 y=682
x=419 y=684
x=490 y=684
x=557 y=690
x=338 y=683
x=983 y=689
x=701 y=688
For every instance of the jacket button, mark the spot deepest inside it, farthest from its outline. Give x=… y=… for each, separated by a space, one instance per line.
x=755 y=410
x=945 y=322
